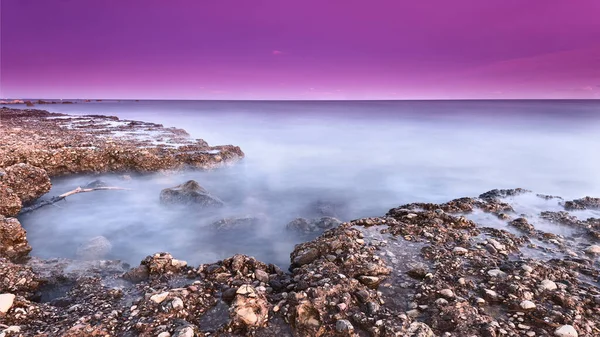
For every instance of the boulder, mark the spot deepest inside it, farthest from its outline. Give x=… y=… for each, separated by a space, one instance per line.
x=95 y=248
x=233 y=223
x=13 y=239
x=305 y=226
x=189 y=193
x=27 y=182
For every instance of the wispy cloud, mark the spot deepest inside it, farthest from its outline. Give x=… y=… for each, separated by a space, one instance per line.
x=277 y=52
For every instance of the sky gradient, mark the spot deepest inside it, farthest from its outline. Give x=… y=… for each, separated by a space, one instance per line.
x=309 y=49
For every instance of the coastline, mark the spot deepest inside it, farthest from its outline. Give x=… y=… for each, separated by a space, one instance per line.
x=419 y=270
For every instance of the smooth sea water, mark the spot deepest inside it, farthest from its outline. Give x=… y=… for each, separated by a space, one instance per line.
x=364 y=156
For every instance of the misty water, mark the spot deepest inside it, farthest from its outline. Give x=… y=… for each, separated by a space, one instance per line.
x=364 y=157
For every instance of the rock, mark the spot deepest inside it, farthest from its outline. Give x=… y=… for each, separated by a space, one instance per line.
x=187 y=331
x=343 y=325
x=27 y=182
x=305 y=257
x=522 y=224
x=593 y=250
x=6 y=302
x=261 y=275
x=164 y=334
x=418 y=329
x=10 y=204
x=548 y=285
x=447 y=293
x=13 y=240
x=370 y=281
x=189 y=193
x=177 y=303
x=527 y=305
x=496 y=273
x=583 y=203
x=305 y=226
x=248 y=224
x=249 y=309
x=159 y=298
x=566 y=331
x=460 y=250
x=95 y=248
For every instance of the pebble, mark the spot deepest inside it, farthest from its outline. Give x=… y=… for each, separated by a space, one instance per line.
x=368 y=280
x=527 y=268
x=164 y=334
x=178 y=263
x=527 y=305
x=343 y=325
x=186 y=332
x=496 y=273
x=447 y=293
x=548 y=285
x=245 y=290
x=460 y=250
x=177 y=303
x=566 y=331
x=158 y=298
x=6 y=302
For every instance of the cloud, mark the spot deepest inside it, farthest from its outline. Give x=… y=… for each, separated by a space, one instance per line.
x=277 y=52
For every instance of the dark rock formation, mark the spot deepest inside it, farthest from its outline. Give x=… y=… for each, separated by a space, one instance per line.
x=189 y=193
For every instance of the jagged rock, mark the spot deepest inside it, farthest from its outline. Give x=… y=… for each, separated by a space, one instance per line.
x=13 y=239
x=583 y=203
x=27 y=182
x=593 y=250
x=94 y=249
x=10 y=204
x=189 y=193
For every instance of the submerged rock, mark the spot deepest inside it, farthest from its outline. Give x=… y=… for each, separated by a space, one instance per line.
x=189 y=193
x=305 y=226
x=94 y=249
x=237 y=224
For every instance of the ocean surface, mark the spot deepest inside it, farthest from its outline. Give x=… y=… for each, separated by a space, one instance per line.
x=365 y=157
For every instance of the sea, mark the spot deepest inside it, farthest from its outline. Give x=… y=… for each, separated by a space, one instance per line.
x=362 y=157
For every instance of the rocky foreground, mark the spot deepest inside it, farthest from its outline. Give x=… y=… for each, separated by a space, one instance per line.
x=419 y=270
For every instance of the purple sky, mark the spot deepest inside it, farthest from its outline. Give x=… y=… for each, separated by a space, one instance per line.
x=300 y=49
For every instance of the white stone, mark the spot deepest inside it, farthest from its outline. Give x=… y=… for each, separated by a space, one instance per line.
x=158 y=298
x=527 y=268
x=447 y=293
x=164 y=334
x=460 y=250
x=343 y=325
x=178 y=263
x=566 y=331
x=496 y=273
x=527 y=305
x=177 y=303
x=246 y=290
x=548 y=285
x=6 y=302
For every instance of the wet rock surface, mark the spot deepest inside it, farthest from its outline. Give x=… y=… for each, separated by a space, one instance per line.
x=27 y=182
x=13 y=240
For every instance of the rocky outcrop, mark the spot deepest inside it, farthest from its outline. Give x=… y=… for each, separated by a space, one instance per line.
x=10 y=204
x=191 y=194
x=62 y=144
x=27 y=182
x=13 y=240
x=583 y=203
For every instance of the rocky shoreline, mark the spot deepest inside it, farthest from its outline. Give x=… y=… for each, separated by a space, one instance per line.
x=469 y=267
